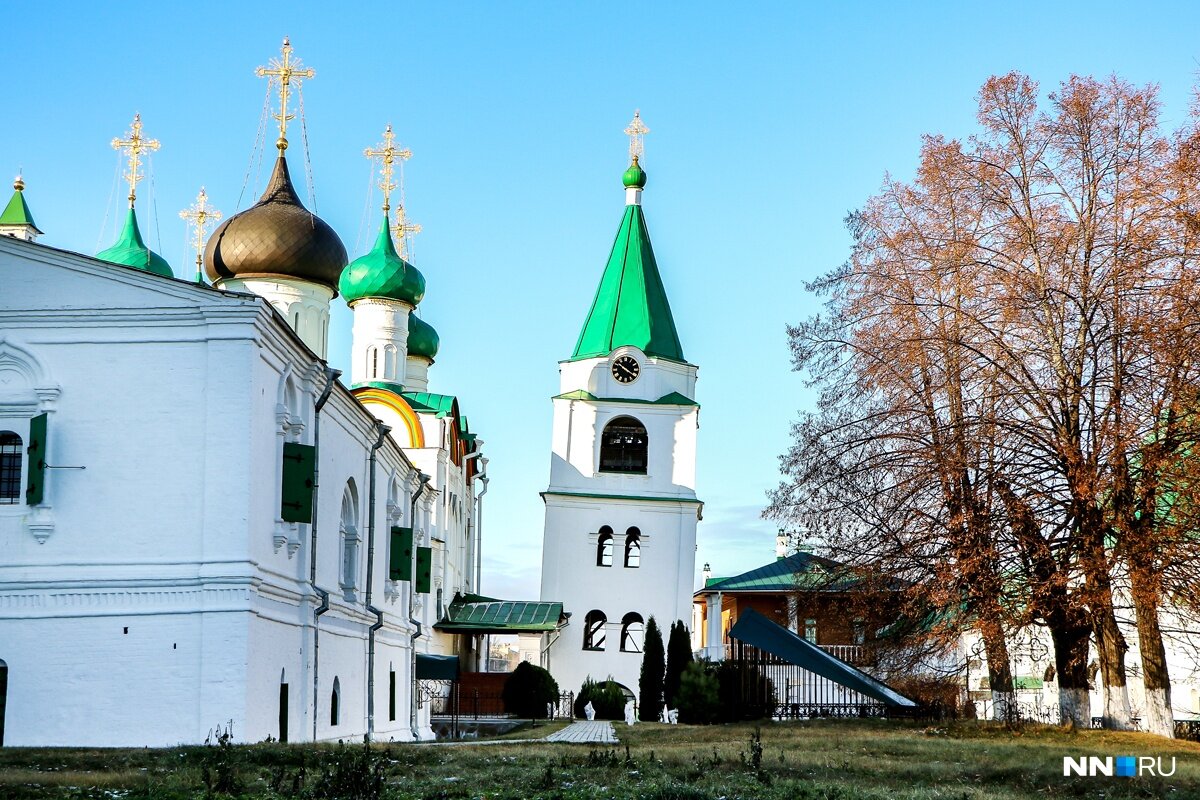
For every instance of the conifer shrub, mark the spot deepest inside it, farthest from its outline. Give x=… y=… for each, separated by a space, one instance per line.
x=699 y=701
x=650 y=681
x=528 y=690
x=606 y=698
x=679 y=655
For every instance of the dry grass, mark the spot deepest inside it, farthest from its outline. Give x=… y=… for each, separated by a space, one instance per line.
x=833 y=760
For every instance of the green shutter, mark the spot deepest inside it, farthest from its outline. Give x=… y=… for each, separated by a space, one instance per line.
x=402 y=554
x=424 y=569
x=299 y=478
x=35 y=484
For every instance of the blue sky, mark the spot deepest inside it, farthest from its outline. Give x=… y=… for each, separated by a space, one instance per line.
x=769 y=122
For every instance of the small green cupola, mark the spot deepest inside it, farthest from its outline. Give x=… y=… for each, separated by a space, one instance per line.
x=635 y=176
x=382 y=273
x=16 y=220
x=130 y=250
x=423 y=340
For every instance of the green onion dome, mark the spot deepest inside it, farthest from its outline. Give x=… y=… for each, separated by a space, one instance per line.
x=277 y=237
x=131 y=251
x=423 y=340
x=382 y=273
x=635 y=176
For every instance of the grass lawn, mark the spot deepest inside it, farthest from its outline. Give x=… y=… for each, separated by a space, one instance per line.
x=825 y=760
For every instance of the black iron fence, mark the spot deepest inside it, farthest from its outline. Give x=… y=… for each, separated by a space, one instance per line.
x=477 y=704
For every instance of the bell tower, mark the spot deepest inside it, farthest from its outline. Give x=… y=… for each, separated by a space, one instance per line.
x=621 y=508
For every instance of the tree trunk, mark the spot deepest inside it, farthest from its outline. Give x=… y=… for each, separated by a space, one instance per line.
x=1156 y=677
x=1004 y=707
x=1112 y=648
x=1070 y=662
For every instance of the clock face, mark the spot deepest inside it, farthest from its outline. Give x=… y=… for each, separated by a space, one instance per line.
x=626 y=369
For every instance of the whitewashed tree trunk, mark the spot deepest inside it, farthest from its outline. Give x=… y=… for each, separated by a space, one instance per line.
x=1004 y=706
x=1159 y=719
x=1074 y=707
x=1118 y=715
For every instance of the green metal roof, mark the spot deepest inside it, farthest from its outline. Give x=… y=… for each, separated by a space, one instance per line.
x=672 y=399
x=430 y=403
x=17 y=211
x=472 y=613
x=131 y=251
x=756 y=630
x=797 y=571
x=382 y=273
x=630 y=307
x=387 y=386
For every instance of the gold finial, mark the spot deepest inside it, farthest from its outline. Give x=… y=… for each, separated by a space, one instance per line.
x=199 y=217
x=387 y=154
x=636 y=130
x=19 y=183
x=403 y=229
x=135 y=144
x=288 y=72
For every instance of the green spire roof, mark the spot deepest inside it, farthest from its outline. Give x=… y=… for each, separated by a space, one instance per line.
x=423 y=340
x=631 y=305
x=17 y=211
x=382 y=273
x=131 y=251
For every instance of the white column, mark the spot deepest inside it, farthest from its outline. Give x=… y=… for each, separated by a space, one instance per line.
x=793 y=608
x=716 y=641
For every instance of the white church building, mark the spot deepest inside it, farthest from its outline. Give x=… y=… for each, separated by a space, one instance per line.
x=621 y=506
x=200 y=525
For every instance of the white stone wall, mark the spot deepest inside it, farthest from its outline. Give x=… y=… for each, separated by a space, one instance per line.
x=157 y=593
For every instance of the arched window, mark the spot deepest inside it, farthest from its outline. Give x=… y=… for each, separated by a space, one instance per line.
x=633 y=548
x=350 y=538
x=335 y=702
x=632 y=632
x=593 y=630
x=604 y=547
x=10 y=468
x=373 y=361
x=389 y=361
x=810 y=630
x=623 y=446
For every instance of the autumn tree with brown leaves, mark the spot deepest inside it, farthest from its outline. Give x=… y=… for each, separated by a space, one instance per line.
x=1008 y=406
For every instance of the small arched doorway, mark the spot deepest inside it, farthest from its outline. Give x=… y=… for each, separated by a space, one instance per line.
x=283 y=706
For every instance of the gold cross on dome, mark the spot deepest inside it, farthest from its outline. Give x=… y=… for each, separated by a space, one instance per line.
x=403 y=229
x=636 y=130
x=387 y=155
x=199 y=218
x=135 y=144
x=288 y=72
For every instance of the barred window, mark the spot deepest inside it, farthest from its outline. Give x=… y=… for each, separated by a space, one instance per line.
x=11 y=450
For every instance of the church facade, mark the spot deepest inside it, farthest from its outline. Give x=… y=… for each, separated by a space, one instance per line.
x=201 y=526
x=621 y=506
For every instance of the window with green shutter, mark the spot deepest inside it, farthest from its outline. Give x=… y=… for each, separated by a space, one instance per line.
x=424 y=569
x=400 y=567
x=35 y=482
x=299 y=479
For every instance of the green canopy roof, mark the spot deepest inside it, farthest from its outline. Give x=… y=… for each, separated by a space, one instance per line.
x=472 y=613
x=797 y=571
x=630 y=307
x=131 y=251
x=17 y=211
x=756 y=630
x=433 y=667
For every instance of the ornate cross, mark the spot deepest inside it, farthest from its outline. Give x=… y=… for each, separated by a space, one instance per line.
x=636 y=130
x=403 y=229
x=135 y=144
x=387 y=155
x=288 y=72
x=199 y=218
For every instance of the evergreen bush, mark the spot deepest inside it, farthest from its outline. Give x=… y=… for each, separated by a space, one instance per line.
x=699 y=703
x=679 y=655
x=527 y=691
x=606 y=697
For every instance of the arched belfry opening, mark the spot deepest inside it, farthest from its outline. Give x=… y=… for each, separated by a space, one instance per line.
x=624 y=447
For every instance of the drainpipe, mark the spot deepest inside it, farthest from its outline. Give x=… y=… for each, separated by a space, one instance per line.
x=331 y=376
x=485 y=641
x=381 y=432
x=416 y=623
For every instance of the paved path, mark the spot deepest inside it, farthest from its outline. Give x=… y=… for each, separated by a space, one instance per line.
x=597 y=731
